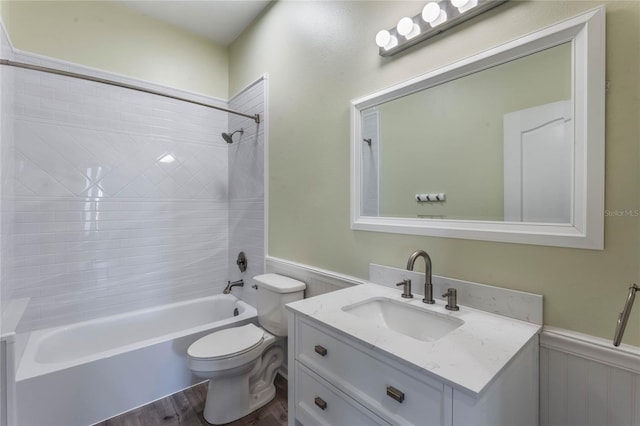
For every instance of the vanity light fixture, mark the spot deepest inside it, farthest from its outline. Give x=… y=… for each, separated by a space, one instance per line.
x=436 y=17
x=433 y=14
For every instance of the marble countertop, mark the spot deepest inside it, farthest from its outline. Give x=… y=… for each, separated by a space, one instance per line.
x=468 y=358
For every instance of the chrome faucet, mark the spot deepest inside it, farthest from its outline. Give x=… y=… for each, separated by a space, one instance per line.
x=230 y=285
x=428 y=286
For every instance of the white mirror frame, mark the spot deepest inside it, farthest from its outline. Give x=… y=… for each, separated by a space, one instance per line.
x=586 y=230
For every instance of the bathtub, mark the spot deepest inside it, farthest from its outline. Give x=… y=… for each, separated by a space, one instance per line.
x=83 y=373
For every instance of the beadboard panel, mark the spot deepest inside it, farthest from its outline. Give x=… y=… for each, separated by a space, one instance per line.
x=584 y=380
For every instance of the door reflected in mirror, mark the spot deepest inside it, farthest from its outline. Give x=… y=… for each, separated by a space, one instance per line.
x=498 y=143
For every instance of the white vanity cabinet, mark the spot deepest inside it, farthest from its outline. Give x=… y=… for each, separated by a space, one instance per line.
x=370 y=384
x=338 y=379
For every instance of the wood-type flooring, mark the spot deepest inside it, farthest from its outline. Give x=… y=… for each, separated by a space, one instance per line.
x=185 y=409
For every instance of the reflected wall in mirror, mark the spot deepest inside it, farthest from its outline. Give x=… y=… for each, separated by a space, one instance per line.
x=450 y=139
x=513 y=137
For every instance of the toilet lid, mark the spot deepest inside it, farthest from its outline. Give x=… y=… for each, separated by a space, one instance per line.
x=227 y=342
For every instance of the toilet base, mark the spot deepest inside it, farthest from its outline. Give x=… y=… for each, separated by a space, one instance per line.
x=217 y=413
x=234 y=396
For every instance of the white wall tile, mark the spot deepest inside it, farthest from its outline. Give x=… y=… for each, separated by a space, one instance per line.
x=7 y=190
x=246 y=158
x=101 y=225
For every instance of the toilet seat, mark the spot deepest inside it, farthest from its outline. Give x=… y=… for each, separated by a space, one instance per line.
x=226 y=343
x=228 y=349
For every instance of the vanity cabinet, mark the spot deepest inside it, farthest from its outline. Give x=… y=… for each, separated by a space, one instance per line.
x=335 y=379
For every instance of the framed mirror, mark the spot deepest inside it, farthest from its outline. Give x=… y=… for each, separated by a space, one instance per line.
x=506 y=145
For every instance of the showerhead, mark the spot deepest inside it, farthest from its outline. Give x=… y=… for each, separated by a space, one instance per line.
x=228 y=137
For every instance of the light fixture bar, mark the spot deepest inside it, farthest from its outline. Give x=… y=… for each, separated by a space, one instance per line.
x=453 y=12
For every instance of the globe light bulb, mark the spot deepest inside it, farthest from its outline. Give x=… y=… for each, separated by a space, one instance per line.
x=464 y=5
x=405 y=26
x=383 y=38
x=392 y=43
x=459 y=3
x=431 y=12
x=433 y=15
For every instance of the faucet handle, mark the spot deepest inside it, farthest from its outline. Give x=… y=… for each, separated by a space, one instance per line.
x=452 y=299
x=406 y=293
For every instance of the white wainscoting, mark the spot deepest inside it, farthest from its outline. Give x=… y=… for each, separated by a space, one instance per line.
x=585 y=380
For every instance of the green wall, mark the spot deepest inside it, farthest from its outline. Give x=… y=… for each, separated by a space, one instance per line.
x=111 y=37
x=320 y=55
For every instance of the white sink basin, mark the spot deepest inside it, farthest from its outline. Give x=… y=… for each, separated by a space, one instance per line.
x=404 y=318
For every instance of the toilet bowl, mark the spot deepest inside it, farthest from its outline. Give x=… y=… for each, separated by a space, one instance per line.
x=241 y=362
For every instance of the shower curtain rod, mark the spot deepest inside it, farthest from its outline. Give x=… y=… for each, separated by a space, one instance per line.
x=255 y=117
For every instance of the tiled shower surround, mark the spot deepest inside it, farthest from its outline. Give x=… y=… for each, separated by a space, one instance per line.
x=246 y=188
x=6 y=175
x=122 y=199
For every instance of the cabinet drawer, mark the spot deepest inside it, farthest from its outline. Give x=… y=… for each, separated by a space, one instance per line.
x=318 y=404
x=394 y=395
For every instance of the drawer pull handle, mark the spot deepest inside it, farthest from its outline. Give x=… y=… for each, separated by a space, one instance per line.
x=320 y=403
x=321 y=350
x=395 y=394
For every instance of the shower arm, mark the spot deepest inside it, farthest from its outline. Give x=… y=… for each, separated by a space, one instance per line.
x=254 y=117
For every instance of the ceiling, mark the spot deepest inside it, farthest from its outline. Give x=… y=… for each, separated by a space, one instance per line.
x=221 y=21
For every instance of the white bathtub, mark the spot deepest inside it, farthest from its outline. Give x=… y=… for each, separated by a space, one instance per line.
x=83 y=373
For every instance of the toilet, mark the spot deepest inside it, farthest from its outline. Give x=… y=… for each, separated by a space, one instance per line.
x=241 y=362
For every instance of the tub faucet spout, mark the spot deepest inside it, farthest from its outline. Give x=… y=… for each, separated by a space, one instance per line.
x=428 y=287
x=230 y=285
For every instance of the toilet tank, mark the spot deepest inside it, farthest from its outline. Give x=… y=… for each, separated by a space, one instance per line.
x=275 y=291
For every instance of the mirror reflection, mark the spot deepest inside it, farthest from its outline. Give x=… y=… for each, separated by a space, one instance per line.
x=494 y=145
